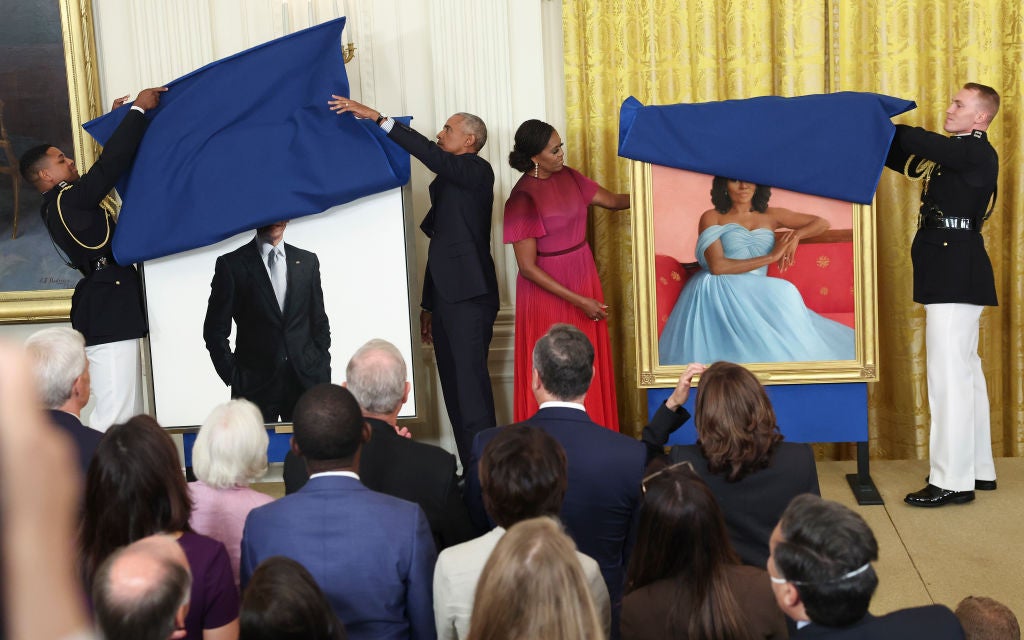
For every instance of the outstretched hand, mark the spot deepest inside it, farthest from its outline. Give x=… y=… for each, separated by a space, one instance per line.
x=681 y=393
x=341 y=104
x=149 y=98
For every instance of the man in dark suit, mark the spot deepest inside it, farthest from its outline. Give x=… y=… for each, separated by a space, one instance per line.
x=605 y=468
x=371 y=553
x=391 y=462
x=820 y=568
x=460 y=289
x=272 y=291
x=107 y=304
x=61 y=371
x=953 y=280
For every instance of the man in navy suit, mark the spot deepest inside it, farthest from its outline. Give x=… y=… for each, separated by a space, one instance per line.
x=272 y=292
x=460 y=288
x=61 y=371
x=820 y=568
x=372 y=554
x=605 y=468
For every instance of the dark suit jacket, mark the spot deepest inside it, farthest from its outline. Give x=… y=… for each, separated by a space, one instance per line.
x=107 y=304
x=951 y=265
x=86 y=440
x=266 y=338
x=645 y=611
x=752 y=507
x=410 y=470
x=934 y=622
x=372 y=554
x=459 y=264
x=601 y=503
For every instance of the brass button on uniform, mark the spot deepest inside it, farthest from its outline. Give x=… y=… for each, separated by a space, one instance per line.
x=117 y=282
x=945 y=244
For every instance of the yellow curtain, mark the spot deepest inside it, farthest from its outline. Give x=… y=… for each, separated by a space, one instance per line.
x=666 y=51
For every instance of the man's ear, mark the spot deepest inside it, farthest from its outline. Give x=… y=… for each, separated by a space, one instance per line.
x=405 y=394
x=295 y=447
x=179 y=623
x=366 y=432
x=535 y=380
x=471 y=141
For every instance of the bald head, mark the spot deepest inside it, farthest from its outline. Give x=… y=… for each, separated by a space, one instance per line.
x=142 y=591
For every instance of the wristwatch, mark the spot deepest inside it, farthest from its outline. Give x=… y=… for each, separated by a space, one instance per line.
x=381 y=118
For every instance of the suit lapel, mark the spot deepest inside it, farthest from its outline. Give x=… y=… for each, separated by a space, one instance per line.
x=258 y=275
x=295 y=274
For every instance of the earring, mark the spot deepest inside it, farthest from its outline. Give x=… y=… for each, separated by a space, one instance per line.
x=536 y=169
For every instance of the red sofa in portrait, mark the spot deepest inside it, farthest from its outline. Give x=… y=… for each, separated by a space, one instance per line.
x=823 y=273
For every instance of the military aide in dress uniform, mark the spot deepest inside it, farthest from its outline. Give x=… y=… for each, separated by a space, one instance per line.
x=953 y=280
x=107 y=304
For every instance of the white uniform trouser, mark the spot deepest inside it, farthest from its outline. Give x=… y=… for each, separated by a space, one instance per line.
x=115 y=374
x=961 y=441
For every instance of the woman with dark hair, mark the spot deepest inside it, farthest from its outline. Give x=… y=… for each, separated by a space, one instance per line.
x=739 y=452
x=284 y=602
x=546 y=224
x=135 y=488
x=730 y=310
x=684 y=581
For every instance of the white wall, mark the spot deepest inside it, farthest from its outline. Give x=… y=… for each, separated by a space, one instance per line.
x=500 y=59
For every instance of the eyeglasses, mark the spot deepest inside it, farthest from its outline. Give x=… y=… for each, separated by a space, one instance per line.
x=684 y=463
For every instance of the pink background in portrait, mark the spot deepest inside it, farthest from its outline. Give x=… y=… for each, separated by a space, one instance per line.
x=680 y=197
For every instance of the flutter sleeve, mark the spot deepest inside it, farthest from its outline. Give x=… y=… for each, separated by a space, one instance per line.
x=522 y=219
x=588 y=188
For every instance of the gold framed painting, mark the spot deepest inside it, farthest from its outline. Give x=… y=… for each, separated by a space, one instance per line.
x=49 y=85
x=811 y=322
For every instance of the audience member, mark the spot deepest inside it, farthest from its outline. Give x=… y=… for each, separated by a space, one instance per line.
x=371 y=553
x=135 y=488
x=229 y=453
x=61 y=370
x=605 y=468
x=820 y=568
x=523 y=474
x=39 y=500
x=533 y=587
x=685 y=581
x=284 y=602
x=739 y=452
x=986 y=619
x=390 y=463
x=141 y=592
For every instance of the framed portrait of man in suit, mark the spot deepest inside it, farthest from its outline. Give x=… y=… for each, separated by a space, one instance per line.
x=48 y=87
x=709 y=286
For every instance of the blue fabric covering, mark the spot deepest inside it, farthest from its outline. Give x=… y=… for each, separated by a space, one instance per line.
x=804 y=412
x=247 y=141
x=747 y=317
x=832 y=145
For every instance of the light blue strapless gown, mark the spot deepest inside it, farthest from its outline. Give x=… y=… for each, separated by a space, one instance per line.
x=747 y=317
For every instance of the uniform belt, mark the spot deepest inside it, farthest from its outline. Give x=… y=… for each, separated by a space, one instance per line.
x=931 y=221
x=548 y=254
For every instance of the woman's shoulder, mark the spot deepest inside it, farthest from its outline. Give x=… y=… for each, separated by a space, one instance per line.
x=710 y=218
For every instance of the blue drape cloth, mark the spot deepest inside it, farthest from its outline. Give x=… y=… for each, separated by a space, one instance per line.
x=832 y=145
x=247 y=141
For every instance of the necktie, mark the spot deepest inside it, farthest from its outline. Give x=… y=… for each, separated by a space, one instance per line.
x=277 y=274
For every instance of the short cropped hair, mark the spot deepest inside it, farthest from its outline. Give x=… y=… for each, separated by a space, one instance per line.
x=986 y=619
x=58 y=359
x=376 y=376
x=231 y=448
x=722 y=202
x=31 y=162
x=564 y=359
x=523 y=474
x=987 y=96
x=327 y=423
x=149 y=615
x=826 y=551
x=474 y=125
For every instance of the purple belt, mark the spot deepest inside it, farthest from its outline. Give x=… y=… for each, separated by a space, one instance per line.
x=548 y=254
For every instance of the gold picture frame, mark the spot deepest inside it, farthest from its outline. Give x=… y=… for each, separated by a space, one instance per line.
x=18 y=307
x=653 y=374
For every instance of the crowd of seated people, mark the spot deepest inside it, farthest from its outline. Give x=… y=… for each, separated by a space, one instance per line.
x=570 y=541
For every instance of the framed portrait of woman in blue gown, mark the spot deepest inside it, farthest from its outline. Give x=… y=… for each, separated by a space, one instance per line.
x=727 y=269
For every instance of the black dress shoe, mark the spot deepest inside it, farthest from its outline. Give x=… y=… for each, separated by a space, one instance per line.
x=932 y=496
x=979 y=485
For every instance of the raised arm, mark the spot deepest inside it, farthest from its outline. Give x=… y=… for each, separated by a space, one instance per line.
x=609 y=200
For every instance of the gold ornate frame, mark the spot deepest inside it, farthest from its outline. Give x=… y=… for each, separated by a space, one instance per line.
x=652 y=374
x=84 y=96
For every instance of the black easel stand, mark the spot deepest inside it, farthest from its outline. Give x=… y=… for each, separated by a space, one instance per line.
x=861 y=484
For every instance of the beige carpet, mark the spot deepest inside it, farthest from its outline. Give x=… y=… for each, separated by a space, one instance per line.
x=940 y=555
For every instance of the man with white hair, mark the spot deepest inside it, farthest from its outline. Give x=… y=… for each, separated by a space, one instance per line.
x=61 y=371
x=141 y=592
x=390 y=463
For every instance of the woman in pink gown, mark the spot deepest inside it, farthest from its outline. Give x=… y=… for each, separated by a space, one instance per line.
x=546 y=223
